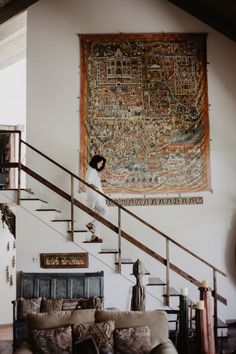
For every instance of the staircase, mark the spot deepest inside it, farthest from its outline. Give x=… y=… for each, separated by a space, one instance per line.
x=51 y=223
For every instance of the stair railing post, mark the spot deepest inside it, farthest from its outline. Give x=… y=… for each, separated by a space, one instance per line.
x=119 y=239
x=167 y=298
x=72 y=208
x=215 y=306
x=19 y=168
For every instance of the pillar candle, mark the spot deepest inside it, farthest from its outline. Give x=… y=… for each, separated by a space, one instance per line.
x=204 y=284
x=184 y=291
x=200 y=305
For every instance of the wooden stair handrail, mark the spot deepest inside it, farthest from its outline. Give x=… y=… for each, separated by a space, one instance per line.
x=116 y=230
x=126 y=210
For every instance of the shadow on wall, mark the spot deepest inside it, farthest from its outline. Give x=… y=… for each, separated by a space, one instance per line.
x=230 y=250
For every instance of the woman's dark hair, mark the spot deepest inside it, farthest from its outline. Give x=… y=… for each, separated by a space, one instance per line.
x=94 y=162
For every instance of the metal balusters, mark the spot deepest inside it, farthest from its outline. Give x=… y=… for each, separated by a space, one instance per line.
x=215 y=305
x=119 y=240
x=19 y=168
x=167 y=298
x=72 y=208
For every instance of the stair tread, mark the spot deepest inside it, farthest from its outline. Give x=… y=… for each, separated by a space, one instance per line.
x=15 y=189
x=125 y=261
x=61 y=220
x=173 y=292
x=34 y=199
x=42 y=209
x=155 y=282
x=146 y=273
x=221 y=324
x=169 y=311
x=69 y=231
x=92 y=241
x=108 y=250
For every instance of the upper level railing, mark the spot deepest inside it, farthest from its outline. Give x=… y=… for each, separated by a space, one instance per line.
x=117 y=229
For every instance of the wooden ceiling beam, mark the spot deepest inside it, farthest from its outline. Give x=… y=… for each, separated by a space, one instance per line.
x=204 y=11
x=14 y=7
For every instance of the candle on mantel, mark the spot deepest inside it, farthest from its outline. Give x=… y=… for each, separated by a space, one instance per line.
x=204 y=284
x=200 y=305
x=184 y=291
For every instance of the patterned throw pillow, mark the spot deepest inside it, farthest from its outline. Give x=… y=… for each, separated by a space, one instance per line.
x=27 y=306
x=102 y=333
x=70 y=304
x=132 y=340
x=95 y=302
x=52 y=340
x=49 y=305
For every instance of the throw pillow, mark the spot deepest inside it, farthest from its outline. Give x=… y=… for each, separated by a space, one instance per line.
x=132 y=340
x=52 y=340
x=49 y=305
x=27 y=306
x=94 y=302
x=102 y=333
x=86 y=346
x=86 y=303
x=70 y=304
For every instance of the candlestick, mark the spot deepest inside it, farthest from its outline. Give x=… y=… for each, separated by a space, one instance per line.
x=200 y=305
x=184 y=291
x=204 y=284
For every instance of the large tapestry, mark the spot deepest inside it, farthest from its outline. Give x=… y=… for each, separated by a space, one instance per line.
x=144 y=107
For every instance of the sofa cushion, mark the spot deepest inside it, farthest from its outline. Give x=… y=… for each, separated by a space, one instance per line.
x=49 y=305
x=58 y=319
x=27 y=306
x=53 y=340
x=102 y=333
x=132 y=340
x=156 y=320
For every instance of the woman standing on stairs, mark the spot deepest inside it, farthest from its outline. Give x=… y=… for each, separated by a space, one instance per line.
x=94 y=200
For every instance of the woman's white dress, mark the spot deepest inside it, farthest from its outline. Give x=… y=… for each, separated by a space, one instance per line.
x=95 y=201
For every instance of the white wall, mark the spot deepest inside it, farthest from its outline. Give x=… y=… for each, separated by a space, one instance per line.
x=53 y=117
x=8 y=292
x=13 y=94
x=12 y=113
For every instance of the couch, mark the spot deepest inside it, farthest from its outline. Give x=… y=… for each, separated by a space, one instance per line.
x=120 y=327
x=23 y=307
x=43 y=292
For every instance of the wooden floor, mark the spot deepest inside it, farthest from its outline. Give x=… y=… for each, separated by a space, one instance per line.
x=6 y=336
x=226 y=345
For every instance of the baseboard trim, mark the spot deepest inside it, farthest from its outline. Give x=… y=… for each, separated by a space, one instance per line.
x=6 y=325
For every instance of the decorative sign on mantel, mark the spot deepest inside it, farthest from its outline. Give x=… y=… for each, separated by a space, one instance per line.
x=64 y=260
x=157 y=201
